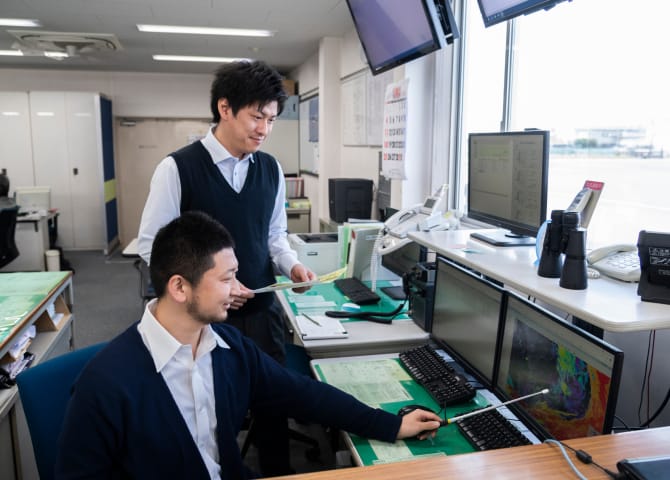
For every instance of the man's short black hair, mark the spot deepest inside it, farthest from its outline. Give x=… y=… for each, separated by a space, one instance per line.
x=186 y=246
x=4 y=185
x=245 y=83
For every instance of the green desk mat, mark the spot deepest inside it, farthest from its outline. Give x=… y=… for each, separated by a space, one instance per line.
x=448 y=441
x=20 y=293
x=330 y=293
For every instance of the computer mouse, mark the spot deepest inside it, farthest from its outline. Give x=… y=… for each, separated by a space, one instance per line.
x=404 y=410
x=351 y=307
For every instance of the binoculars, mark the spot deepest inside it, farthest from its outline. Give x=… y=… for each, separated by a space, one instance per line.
x=564 y=250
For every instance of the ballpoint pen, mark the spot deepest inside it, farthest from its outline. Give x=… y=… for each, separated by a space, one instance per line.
x=311 y=319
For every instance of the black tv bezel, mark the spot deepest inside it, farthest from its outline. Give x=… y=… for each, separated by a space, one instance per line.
x=617 y=368
x=443 y=31
x=469 y=368
x=523 y=7
x=516 y=228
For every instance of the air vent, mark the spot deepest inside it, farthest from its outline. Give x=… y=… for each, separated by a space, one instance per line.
x=71 y=43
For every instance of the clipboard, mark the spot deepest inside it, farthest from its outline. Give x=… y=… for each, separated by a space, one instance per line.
x=320 y=327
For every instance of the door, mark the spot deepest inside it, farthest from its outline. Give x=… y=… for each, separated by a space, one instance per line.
x=140 y=145
x=16 y=152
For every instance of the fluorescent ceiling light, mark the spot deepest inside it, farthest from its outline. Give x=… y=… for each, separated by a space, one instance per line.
x=190 y=58
x=19 y=22
x=233 y=32
x=56 y=54
x=11 y=53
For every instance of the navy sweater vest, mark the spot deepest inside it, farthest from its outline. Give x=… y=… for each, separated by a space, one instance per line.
x=246 y=215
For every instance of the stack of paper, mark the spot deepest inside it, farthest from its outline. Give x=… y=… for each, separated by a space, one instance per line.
x=319 y=327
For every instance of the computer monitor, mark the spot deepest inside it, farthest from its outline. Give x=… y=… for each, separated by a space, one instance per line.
x=496 y=11
x=466 y=319
x=540 y=350
x=33 y=199
x=507 y=184
x=393 y=32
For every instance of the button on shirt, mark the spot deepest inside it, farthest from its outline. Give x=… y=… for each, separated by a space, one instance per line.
x=164 y=202
x=189 y=379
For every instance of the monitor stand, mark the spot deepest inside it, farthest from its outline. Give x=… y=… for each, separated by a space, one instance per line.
x=504 y=238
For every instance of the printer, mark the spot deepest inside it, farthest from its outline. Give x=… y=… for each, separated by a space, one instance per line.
x=318 y=251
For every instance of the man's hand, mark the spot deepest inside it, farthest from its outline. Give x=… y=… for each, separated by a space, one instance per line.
x=419 y=423
x=241 y=299
x=300 y=273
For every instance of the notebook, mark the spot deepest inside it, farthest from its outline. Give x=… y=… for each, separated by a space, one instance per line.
x=320 y=327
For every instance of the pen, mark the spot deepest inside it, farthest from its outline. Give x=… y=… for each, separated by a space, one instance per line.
x=311 y=319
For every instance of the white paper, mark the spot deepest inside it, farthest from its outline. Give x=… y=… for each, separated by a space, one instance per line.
x=327 y=327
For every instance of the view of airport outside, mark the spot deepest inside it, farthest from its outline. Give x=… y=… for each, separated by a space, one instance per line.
x=591 y=73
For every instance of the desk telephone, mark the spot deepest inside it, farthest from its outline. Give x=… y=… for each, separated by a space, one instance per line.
x=617 y=261
x=424 y=216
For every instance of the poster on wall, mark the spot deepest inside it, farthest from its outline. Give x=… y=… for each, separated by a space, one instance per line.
x=395 y=121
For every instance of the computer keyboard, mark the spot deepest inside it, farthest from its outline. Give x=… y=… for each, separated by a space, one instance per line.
x=434 y=374
x=357 y=291
x=490 y=430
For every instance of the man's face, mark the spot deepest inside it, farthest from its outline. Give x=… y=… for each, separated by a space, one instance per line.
x=213 y=295
x=245 y=132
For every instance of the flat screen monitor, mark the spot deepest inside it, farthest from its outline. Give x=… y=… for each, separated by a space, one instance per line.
x=540 y=350
x=466 y=319
x=33 y=199
x=507 y=184
x=393 y=32
x=496 y=11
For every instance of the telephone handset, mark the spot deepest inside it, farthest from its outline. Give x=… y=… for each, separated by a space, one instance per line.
x=619 y=261
x=421 y=217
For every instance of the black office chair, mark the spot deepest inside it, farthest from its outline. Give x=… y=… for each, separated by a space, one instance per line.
x=8 y=250
x=297 y=359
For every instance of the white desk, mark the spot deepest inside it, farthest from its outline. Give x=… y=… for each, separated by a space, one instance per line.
x=364 y=337
x=609 y=304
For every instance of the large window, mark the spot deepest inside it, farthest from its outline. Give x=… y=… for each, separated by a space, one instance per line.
x=593 y=73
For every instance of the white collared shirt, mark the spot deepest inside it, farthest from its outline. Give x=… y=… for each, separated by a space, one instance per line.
x=190 y=381
x=164 y=202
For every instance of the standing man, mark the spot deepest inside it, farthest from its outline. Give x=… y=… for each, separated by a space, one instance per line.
x=166 y=398
x=227 y=176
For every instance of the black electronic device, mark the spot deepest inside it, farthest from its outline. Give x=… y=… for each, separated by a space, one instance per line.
x=393 y=32
x=495 y=11
x=466 y=319
x=405 y=258
x=490 y=430
x=654 y=252
x=405 y=409
x=507 y=184
x=356 y=291
x=645 y=468
x=421 y=294
x=349 y=198
x=434 y=374
x=539 y=350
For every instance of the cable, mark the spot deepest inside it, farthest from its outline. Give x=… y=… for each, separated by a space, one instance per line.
x=644 y=380
x=583 y=457
x=567 y=458
x=377 y=317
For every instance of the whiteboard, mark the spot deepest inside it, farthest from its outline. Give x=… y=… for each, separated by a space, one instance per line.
x=363 y=108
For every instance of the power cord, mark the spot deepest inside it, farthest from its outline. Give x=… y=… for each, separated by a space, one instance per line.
x=377 y=317
x=583 y=457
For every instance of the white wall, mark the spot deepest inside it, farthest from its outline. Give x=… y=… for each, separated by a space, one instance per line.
x=154 y=95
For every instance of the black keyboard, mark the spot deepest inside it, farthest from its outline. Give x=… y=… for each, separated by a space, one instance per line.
x=433 y=373
x=357 y=291
x=490 y=430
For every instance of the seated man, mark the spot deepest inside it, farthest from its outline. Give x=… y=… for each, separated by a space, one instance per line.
x=167 y=397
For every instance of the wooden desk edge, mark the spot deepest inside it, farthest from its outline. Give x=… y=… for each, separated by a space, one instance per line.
x=532 y=461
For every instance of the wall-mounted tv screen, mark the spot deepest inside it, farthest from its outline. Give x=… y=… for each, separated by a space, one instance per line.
x=393 y=32
x=496 y=11
x=507 y=184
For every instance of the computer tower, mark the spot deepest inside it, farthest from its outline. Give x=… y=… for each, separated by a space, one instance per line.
x=349 y=198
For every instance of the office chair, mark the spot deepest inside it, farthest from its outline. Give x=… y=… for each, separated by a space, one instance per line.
x=44 y=390
x=297 y=360
x=8 y=250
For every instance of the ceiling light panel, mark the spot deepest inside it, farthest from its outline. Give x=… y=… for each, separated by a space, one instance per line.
x=231 y=32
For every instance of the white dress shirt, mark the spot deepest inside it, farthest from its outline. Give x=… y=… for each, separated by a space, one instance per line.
x=189 y=379
x=164 y=202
